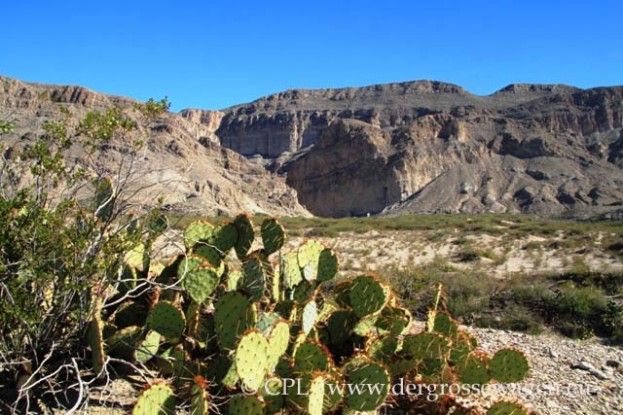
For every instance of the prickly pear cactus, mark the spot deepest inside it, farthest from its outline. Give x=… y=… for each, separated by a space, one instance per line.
x=507 y=408
x=157 y=399
x=509 y=366
x=251 y=359
x=222 y=325
x=168 y=320
x=245 y=405
x=370 y=385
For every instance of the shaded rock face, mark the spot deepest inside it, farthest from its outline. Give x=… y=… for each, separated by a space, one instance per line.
x=432 y=147
x=183 y=162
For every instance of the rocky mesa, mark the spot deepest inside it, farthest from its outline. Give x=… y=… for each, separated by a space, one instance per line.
x=181 y=162
x=424 y=146
x=412 y=147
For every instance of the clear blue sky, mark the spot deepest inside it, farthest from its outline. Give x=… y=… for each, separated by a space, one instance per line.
x=213 y=54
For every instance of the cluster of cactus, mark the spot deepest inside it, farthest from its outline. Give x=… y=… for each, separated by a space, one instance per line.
x=249 y=326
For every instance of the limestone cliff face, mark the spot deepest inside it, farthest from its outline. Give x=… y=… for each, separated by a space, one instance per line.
x=433 y=147
x=182 y=161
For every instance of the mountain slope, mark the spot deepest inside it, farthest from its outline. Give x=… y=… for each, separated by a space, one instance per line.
x=183 y=161
x=427 y=146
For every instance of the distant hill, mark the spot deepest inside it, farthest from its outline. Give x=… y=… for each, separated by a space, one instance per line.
x=413 y=147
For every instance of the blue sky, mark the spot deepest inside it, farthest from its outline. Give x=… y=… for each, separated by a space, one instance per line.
x=213 y=54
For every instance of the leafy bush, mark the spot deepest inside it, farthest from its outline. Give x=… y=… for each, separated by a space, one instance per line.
x=60 y=250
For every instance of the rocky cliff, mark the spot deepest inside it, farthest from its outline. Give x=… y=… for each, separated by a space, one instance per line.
x=434 y=147
x=398 y=148
x=181 y=161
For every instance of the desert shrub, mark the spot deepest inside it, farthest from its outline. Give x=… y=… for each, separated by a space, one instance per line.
x=63 y=237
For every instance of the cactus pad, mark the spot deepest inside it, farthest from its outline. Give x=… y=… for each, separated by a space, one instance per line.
x=367 y=295
x=473 y=369
x=273 y=235
x=290 y=270
x=224 y=237
x=310 y=314
x=197 y=231
x=148 y=347
x=425 y=346
x=509 y=366
x=157 y=399
x=507 y=408
x=308 y=258
x=394 y=320
x=246 y=235
x=311 y=357
x=168 y=320
x=251 y=359
x=462 y=344
x=327 y=265
x=254 y=282
x=245 y=405
x=278 y=342
x=233 y=315
x=199 y=279
x=444 y=324
x=368 y=387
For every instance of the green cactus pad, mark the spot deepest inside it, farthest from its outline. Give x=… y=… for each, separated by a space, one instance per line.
x=273 y=235
x=209 y=253
x=157 y=399
x=251 y=359
x=148 y=347
x=507 y=408
x=365 y=326
x=425 y=346
x=254 y=282
x=367 y=295
x=233 y=280
x=266 y=321
x=272 y=394
x=311 y=357
x=137 y=258
x=340 y=326
x=509 y=366
x=382 y=349
x=341 y=293
x=246 y=235
x=473 y=370
x=307 y=395
x=444 y=324
x=130 y=313
x=462 y=345
x=310 y=315
x=308 y=258
x=394 y=320
x=224 y=237
x=303 y=292
x=245 y=405
x=316 y=395
x=369 y=386
x=168 y=320
x=332 y=393
x=290 y=270
x=233 y=315
x=199 y=397
x=327 y=265
x=199 y=278
x=278 y=342
x=197 y=231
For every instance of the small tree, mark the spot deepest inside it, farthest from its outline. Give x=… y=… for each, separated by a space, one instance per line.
x=64 y=231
